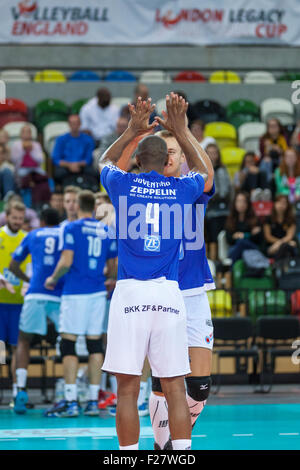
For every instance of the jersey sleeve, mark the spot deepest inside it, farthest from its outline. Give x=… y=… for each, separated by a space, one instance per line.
x=205 y=197
x=193 y=185
x=112 y=249
x=69 y=238
x=23 y=250
x=112 y=179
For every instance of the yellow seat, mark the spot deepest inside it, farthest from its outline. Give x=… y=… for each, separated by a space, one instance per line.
x=232 y=158
x=224 y=76
x=220 y=303
x=49 y=76
x=223 y=132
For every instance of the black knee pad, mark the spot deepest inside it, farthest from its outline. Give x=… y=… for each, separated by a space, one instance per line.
x=94 y=346
x=156 y=385
x=67 y=348
x=198 y=387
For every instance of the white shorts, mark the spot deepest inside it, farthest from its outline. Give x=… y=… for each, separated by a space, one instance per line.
x=200 y=329
x=34 y=315
x=82 y=314
x=147 y=318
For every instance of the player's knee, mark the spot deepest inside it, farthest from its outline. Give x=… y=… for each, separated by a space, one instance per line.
x=95 y=346
x=198 y=388
x=67 y=348
x=156 y=385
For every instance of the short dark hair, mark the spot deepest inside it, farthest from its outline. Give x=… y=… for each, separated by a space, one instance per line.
x=86 y=200
x=50 y=216
x=152 y=151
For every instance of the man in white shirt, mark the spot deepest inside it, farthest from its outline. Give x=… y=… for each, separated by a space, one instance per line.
x=98 y=116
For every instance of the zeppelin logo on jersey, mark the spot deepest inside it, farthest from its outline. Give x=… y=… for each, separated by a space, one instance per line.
x=151 y=243
x=152 y=191
x=153 y=308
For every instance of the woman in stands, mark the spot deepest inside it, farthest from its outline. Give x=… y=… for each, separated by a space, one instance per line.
x=250 y=177
x=7 y=181
x=272 y=146
x=27 y=156
x=287 y=176
x=217 y=212
x=280 y=230
x=242 y=229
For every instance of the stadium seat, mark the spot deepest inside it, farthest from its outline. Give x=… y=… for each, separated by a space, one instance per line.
x=120 y=76
x=51 y=132
x=279 y=108
x=249 y=135
x=154 y=76
x=49 y=110
x=223 y=132
x=189 y=76
x=209 y=111
x=289 y=77
x=224 y=76
x=241 y=111
x=241 y=281
x=14 y=129
x=223 y=249
x=84 y=76
x=262 y=208
x=274 y=336
x=220 y=303
x=15 y=76
x=232 y=158
x=77 y=105
x=49 y=76
x=267 y=302
x=12 y=110
x=259 y=77
x=232 y=338
x=121 y=101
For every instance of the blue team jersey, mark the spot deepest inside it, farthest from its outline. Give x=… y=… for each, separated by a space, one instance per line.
x=42 y=244
x=150 y=210
x=93 y=244
x=194 y=273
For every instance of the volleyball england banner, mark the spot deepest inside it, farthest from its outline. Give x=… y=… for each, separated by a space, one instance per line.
x=134 y=22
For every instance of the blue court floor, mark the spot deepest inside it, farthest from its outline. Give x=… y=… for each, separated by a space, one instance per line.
x=220 y=427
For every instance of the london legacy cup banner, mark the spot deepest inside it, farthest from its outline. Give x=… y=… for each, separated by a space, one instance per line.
x=134 y=22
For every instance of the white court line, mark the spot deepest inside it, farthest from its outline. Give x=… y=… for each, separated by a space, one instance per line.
x=242 y=435
x=3 y=440
x=55 y=438
x=199 y=435
x=288 y=434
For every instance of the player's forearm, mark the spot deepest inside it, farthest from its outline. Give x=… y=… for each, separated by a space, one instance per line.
x=114 y=152
x=15 y=269
x=206 y=159
x=194 y=159
x=60 y=270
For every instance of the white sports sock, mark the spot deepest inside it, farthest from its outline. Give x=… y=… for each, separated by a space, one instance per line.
x=14 y=390
x=132 y=447
x=142 y=394
x=182 y=444
x=195 y=407
x=70 y=392
x=93 y=392
x=158 y=409
x=21 y=375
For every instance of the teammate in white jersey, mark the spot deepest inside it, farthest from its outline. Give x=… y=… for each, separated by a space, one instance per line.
x=147 y=315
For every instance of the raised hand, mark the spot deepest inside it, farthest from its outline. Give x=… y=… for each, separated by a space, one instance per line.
x=139 y=116
x=175 y=119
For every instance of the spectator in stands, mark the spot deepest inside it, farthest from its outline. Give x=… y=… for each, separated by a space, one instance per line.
x=272 y=145
x=287 y=175
x=280 y=229
x=72 y=155
x=4 y=140
x=98 y=116
x=27 y=157
x=250 y=177
x=140 y=90
x=7 y=181
x=242 y=228
x=30 y=215
x=122 y=124
x=295 y=138
x=57 y=202
x=217 y=210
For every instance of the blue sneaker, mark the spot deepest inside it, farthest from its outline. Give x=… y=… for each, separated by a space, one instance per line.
x=20 y=402
x=91 y=408
x=143 y=409
x=63 y=409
